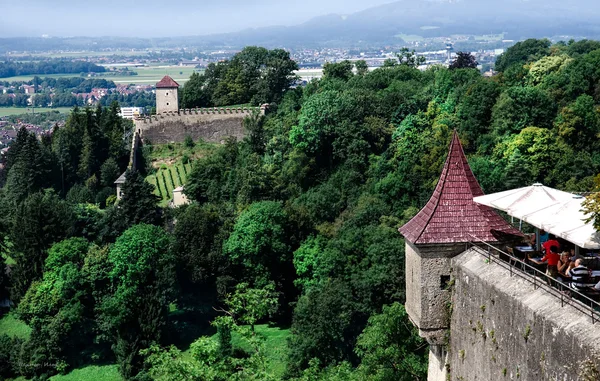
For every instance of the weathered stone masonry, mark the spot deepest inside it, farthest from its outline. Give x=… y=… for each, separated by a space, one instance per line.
x=212 y=125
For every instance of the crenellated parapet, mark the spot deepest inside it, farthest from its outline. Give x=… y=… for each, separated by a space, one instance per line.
x=223 y=111
x=214 y=124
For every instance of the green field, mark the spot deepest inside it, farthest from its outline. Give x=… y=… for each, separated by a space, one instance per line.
x=275 y=343
x=83 y=54
x=91 y=373
x=14 y=327
x=409 y=37
x=5 y=111
x=146 y=75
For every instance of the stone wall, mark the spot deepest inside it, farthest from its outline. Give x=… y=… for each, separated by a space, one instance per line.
x=211 y=125
x=502 y=328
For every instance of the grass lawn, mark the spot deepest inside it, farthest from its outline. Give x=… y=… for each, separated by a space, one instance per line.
x=14 y=327
x=152 y=74
x=276 y=344
x=91 y=373
x=5 y=111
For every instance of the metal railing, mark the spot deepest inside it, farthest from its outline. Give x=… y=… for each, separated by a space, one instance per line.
x=539 y=279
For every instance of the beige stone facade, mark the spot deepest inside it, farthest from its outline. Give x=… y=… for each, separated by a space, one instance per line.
x=166 y=100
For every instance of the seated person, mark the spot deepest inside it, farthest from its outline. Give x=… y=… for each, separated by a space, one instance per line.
x=574 y=256
x=552 y=258
x=579 y=275
x=564 y=264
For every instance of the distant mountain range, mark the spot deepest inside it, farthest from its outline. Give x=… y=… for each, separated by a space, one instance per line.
x=384 y=25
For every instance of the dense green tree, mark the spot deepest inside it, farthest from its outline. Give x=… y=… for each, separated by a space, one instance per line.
x=340 y=70
x=197 y=244
x=325 y=324
x=362 y=67
x=109 y=172
x=39 y=221
x=255 y=75
x=390 y=347
x=520 y=107
x=260 y=242
x=142 y=286
x=30 y=168
x=138 y=203
x=523 y=52
x=579 y=123
x=55 y=308
x=193 y=95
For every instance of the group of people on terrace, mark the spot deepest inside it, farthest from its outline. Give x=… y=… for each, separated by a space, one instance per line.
x=565 y=266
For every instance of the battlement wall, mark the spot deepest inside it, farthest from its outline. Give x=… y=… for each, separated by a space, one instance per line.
x=212 y=125
x=504 y=328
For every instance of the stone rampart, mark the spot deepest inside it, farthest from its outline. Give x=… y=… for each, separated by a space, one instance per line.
x=212 y=125
x=503 y=328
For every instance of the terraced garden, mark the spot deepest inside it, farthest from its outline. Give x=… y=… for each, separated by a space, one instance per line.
x=172 y=163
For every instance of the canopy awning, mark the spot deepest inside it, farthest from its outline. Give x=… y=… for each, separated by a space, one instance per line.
x=557 y=212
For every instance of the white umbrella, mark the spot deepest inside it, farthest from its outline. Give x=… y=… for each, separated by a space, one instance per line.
x=550 y=209
x=567 y=220
x=523 y=201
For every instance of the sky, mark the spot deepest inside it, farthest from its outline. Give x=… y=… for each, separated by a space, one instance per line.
x=160 y=18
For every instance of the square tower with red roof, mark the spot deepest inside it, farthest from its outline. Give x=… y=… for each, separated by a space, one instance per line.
x=166 y=95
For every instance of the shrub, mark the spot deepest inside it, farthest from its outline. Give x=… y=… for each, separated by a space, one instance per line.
x=188 y=142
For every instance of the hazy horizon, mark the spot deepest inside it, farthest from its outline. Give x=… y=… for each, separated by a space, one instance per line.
x=64 y=18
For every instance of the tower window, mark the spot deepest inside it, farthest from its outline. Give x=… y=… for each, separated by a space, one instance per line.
x=444 y=280
x=167 y=103
x=167 y=93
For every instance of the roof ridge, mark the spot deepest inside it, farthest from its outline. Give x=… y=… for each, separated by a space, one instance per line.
x=444 y=174
x=451 y=215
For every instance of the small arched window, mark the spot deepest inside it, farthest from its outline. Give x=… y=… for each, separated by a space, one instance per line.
x=167 y=93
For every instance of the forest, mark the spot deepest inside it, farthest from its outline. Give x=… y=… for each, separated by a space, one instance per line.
x=295 y=227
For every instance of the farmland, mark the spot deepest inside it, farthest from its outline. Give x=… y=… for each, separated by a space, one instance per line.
x=146 y=75
x=6 y=111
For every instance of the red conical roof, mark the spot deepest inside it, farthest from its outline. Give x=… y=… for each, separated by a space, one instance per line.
x=451 y=215
x=167 y=83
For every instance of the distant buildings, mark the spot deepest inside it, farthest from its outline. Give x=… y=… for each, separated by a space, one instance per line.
x=131 y=112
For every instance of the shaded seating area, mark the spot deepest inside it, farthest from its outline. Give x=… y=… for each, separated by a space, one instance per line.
x=560 y=224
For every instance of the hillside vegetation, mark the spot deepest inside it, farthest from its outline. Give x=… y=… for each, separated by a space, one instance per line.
x=292 y=233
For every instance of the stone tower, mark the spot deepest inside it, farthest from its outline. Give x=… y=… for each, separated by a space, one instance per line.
x=166 y=95
x=434 y=236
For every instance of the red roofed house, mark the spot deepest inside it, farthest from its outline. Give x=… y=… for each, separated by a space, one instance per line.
x=438 y=233
x=166 y=95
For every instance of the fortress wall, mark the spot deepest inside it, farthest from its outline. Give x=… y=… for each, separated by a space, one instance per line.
x=211 y=125
x=504 y=329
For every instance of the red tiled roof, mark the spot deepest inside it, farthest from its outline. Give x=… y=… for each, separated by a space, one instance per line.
x=167 y=82
x=451 y=214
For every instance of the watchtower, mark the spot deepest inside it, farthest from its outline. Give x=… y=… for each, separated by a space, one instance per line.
x=434 y=236
x=166 y=95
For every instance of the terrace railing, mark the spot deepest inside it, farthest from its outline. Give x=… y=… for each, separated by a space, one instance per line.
x=539 y=279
